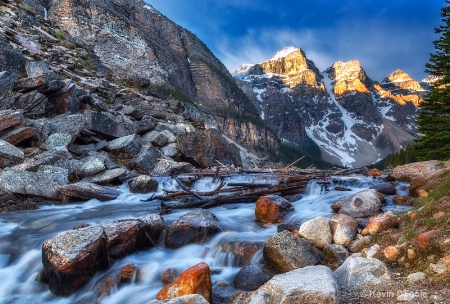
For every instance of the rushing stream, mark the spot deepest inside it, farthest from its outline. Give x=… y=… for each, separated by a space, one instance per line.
x=22 y=234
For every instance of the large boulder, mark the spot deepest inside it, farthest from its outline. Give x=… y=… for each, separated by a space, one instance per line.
x=316 y=231
x=71 y=258
x=419 y=170
x=10 y=155
x=384 y=188
x=203 y=147
x=312 y=284
x=252 y=277
x=343 y=229
x=67 y=123
x=125 y=147
x=44 y=158
x=362 y=204
x=272 y=208
x=358 y=272
x=145 y=161
x=287 y=252
x=106 y=124
x=195 y=280
x=243 y=250
x=113 y=176
x=143 y=184
x=193 y=227
x=170 y=168
x=32 y=103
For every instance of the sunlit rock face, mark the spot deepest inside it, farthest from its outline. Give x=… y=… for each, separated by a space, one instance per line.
x=352 y=118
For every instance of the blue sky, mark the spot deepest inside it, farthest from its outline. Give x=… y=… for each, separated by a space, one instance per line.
x=382 y=35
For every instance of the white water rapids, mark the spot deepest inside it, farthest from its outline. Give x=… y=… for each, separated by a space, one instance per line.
x=23 y=233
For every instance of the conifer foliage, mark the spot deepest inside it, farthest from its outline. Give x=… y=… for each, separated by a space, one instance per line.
x=434 y=120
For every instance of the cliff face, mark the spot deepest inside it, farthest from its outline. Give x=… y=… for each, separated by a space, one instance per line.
x=141 y=46
x=352 y=118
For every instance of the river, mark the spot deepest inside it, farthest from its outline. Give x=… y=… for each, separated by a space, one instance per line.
x=23 y=233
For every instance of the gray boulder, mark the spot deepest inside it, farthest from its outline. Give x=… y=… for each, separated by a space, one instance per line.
x=10 y=118
x=125 y=147
x=343 y=229
x=335 y=253
x=287 y=252
x=68 y=123
x=10 y=155
x=113 y=176
x=312 y=284
x=362 y=204
x=384 y=188
x=86 y=191
x=358 y=272
x=33 y=103
x=252 y=277
x=44 y=158
x=170 y=168
x=193 y=227
x=57 y=141
x=107 y=124
x=145 y=161
x=91 y=165
x=316 y=231
x=36 y=68
x=143 y=184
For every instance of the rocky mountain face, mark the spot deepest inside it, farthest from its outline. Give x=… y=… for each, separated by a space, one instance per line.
x=352 y=118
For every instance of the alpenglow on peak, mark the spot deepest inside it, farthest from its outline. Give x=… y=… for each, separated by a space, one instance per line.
x=285 y=52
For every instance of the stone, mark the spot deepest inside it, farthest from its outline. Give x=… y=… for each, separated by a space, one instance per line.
x=6 y=85
x=193 y=227
x=286 y=252
x=402 y=200
x=312 y=284
x=169 y=275
x=414 y=171
x=65 y=100
x=416 y=187
x=170 y=168
x=106 y=124
x=358 y=272
x=438 y=268
x=424 y=238
x=44 y=158
x=143 y=184
x=25 y=183
x=36 y=68
x=416 y=277
x=144 y=126
x=59 y=175
x=392 y=253
x=380 y=223
x=272 y=208
x=70 y=263
x=25 y=85
x=203 y=147
x=358 y=244
x=57 y=141
x=145 y=161
x=188 y=299
x=384 y=188
x=343 y=229
x=71 y=124
x=113 y=176
x=362 y=204
x=125 y=147
x=335 y=253
x=371 y=252
x=195 y=280
x=87 y=191
x=170 y=150
x=160 y=140
x=19 y=135
x=10 y=118
x=243 y=250
x=252 y=277
x=91 y=165
x=32 y=103
x=10 y=155
x=374 y=172
x=316 y=231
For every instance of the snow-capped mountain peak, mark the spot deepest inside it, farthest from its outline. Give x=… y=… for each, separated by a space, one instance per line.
x=285 y=52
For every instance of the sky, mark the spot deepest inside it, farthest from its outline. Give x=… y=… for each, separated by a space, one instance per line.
x=384 y=35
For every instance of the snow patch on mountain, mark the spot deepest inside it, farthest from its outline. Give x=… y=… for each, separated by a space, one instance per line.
x=285 y=52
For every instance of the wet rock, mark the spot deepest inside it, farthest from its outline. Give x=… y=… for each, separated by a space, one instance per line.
x=69 y=263
x=124 y=237
x=170 y=168
x=195 y=280
x=86 y=191
x=10 y=155
x=10 y=118
x=362 y=204
x=36 y=68
x=358 y=272
x=9 y=202
x=188 y=299
x=343 y=229
x=360 y=243
x=143 y=184
x=19 y=135
x=193 y=227
x=288 y=227
x=107 y=284
x=384 y=188
x=312 y=284
x=57 y=141
x=145 y=161
x=34 y=184
x=203 y=147
x=402 y=200
x=286 y=252
x=125 y=147
x=380 y=223
x=252 y=277
x=113 y=176
x=44 y=158
x=243 y=250
x=128 y=273
x=106 y=124
x=169 y=275
x=272 y=208
x=334 y=253
x=316 y=231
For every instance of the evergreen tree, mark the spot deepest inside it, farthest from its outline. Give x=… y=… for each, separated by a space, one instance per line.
x=434 y=120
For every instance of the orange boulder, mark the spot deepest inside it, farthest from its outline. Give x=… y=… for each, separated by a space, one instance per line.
x=272 y=208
